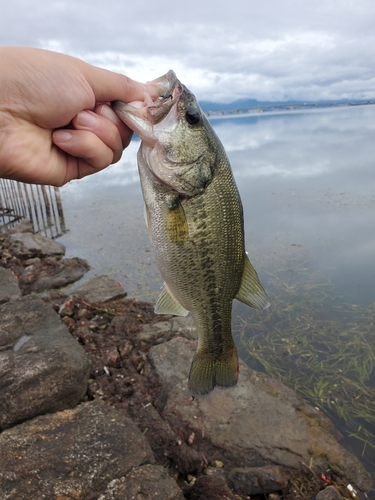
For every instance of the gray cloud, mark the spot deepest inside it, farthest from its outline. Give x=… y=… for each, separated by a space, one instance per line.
x=222 y=50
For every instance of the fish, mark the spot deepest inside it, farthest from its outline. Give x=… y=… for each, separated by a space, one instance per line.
x=195 y=220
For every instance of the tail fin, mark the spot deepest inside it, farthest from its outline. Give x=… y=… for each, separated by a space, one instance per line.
x=206 y=372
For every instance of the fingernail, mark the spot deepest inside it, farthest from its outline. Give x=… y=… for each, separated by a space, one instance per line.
x=107 y=112
x=62 y=135
x=86 y=119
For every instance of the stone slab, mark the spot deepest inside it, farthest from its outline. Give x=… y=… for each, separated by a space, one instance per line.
x=42 y=368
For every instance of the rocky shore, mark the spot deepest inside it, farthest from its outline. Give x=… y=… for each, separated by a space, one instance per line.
x=94 y=401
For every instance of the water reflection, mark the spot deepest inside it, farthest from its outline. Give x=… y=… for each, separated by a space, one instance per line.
x=311 y=175
x=41 y=204
x=301 y=145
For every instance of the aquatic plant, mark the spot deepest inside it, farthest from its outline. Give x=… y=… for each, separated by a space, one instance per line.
x=319 y=345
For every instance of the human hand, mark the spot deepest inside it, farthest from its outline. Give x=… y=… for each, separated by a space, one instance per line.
x=55 y=121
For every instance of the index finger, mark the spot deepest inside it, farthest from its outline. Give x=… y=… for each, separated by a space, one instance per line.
x=109 y=86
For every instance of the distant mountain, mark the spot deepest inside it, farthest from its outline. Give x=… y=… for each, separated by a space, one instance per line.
x=220 y=106
x=254 y=103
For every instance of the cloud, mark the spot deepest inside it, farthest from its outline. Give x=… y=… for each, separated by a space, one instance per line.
x=222 y=51
x=317 y=145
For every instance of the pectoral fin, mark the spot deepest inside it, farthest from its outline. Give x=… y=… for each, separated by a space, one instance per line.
x=251 y=291
x=168 y=304
x=175 y=219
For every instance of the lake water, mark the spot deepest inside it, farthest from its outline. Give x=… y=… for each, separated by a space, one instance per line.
x=307 y=182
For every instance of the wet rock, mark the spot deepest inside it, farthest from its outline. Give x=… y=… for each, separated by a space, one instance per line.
x=148 y=482
x=9 y=289
x=100 y=289
x=257 y=423
x=256 y=480
x=26 y=245
x=72 y=454
x=50 y=273
x=329 y=493
x=42 y=368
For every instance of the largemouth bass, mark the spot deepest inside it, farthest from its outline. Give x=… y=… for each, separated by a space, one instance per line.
x=195 y=221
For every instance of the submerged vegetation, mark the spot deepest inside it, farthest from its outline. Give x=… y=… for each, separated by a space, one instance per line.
x=321 y=347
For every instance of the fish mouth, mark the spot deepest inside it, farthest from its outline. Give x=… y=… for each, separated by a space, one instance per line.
x=141 y=116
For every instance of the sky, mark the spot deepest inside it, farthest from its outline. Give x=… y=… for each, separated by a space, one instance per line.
x=221 y=50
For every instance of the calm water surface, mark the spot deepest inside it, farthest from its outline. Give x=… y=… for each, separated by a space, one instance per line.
x=307 y=182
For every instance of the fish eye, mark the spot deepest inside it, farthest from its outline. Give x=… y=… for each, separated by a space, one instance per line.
x=193 y=116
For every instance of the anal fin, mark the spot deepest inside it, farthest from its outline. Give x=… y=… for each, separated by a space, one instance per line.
x=251 y=291
x=168 y=304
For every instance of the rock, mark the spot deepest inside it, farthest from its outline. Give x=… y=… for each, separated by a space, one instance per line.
x=329 y=493
x=162 y=331
x=26 y=245
x=42 y=368
x=9 y=289
x=32 y=261
x=166 y=443
x=65 y=309
x=211 y=488
x=100 y=289
x=259 y=422
x=51 y=273
x=23 y=226
x=148 y=482
x=184 y=327
x=151 y=332
x=69 y=455
x=256 y=480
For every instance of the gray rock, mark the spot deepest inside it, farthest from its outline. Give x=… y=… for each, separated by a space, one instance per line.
x=100 y=289
x=72 y=454
x=259 y=422
x=256 y=480
x=52 y=273
x=23 y=226
x=166 y=443
x=329 y=493
x=27 y=245
x=9 y=289
x=184 y=326
x=42 y=368
x=148 y=482
x=156 y=333
x=151 y=332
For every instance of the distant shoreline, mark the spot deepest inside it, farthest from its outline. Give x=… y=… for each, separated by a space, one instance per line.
x=286 y=108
